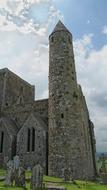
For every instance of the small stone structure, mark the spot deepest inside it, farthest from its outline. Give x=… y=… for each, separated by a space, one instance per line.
x=56 y=132
x=37 y=177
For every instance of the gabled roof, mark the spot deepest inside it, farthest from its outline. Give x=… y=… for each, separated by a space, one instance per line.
x=34 y=118
x=9 y=125
x=7 y=71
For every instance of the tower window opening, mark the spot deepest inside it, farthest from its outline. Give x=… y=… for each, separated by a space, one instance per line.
x=2 y=139
x=62 y=115
x=28 y=140
x=69 y=39
x=75 y=95
x=33 y=139
x=6 y=104
x=52 y=39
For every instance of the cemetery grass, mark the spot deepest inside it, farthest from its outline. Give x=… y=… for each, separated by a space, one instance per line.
x=53 y=181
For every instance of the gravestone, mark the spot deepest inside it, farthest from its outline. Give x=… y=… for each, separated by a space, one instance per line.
x=37 y=177
x=22 y=177
x=66 y=175
x=16 y=169
x=9 y=173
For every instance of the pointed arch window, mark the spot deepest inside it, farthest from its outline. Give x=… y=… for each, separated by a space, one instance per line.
x=28 y=140
x=33 y=139
x=2 y=142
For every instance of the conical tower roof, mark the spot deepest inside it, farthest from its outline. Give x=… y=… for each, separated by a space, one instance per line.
x=60 y=27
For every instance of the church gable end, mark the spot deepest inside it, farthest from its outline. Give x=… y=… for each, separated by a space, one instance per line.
x=31 y=142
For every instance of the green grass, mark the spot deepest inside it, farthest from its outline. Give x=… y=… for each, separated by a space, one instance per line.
x=2 y=172
x=3 y=187
x=59 y=182
x=82 y=185
x=53 y=181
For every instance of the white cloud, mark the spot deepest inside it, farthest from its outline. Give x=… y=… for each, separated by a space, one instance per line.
x=21 y=15
x=24 y=40
x=88 y=21
x=104 y=30
x=91 y=71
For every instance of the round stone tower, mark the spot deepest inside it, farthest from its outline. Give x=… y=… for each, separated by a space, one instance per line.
x=64 y=138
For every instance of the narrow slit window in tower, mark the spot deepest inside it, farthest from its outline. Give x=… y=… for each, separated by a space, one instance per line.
x=62 y=115
x=52 y=39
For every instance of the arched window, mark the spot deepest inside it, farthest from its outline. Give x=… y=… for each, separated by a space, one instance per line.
x=28 y=140
x=33 y=139
x=2 y=139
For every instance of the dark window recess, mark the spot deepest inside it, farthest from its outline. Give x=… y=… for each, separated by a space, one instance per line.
x=15 y=118
x=72 y=78
x=75 y=95
x=2 y=139
x=67 y=92
x=6 y=104
x=33 y=139
x=62 y=115
x=21 y=89
x=69 y=39
x=28 y=141
x=52 y=39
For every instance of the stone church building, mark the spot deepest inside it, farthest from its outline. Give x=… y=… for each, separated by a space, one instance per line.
x=55 y=132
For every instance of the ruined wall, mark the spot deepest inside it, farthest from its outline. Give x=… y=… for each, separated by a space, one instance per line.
x=2 y=83
x=19 y=113
x=17 y=91
x=89 y=165
x=93 y=145
x=7 y=139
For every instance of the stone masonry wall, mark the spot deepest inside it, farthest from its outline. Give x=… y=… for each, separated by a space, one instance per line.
x=16 y=90
x=89 y=170
x=2 y=84
x=19 y=113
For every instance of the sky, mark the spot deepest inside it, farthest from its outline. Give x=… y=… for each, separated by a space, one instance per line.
x=24 y=29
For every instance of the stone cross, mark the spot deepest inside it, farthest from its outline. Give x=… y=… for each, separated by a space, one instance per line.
x=37 y=177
